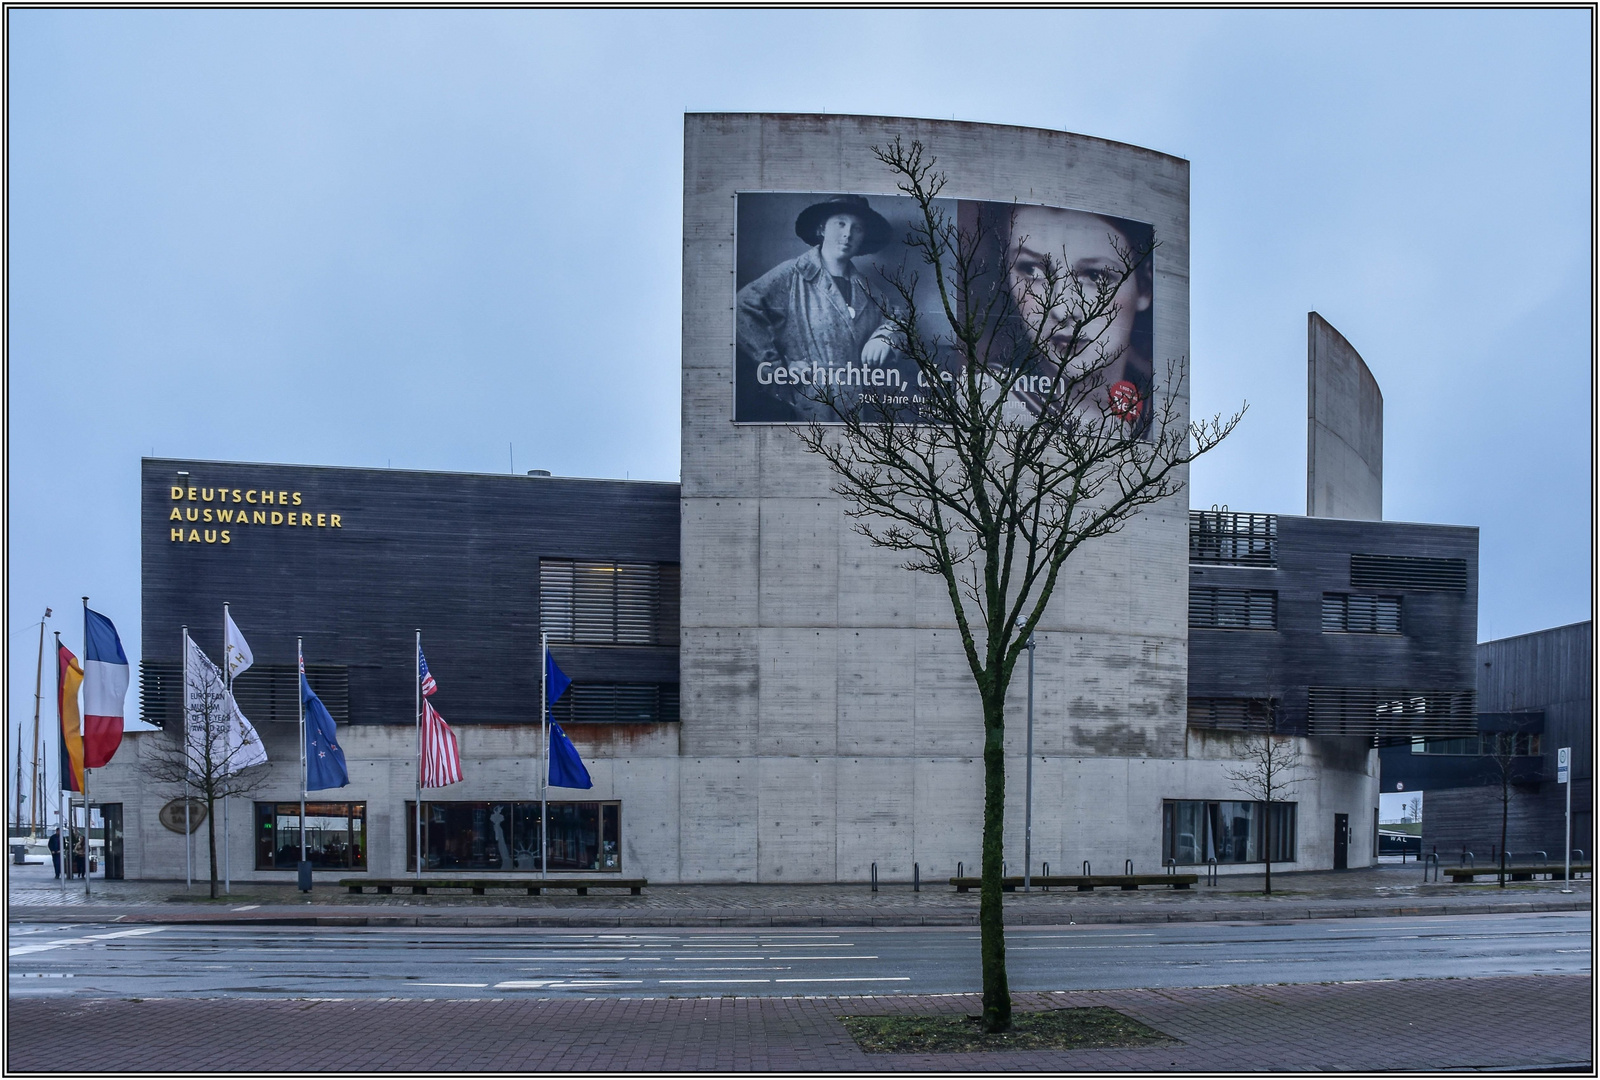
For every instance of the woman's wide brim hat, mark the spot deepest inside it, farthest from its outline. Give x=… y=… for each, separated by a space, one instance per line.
x=808 y=226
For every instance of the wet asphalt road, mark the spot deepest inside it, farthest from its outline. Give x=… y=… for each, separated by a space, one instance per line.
x=226 y=961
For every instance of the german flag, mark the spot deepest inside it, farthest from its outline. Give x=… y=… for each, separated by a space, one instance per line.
x=69 y=676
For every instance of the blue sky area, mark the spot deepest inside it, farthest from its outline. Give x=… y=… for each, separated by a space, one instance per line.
x=421 y=238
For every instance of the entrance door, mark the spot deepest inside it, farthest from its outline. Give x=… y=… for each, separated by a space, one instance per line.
x=1341 y=841
x=111 y=824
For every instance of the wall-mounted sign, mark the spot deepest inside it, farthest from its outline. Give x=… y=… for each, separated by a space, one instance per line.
x=221 y=515
x=171 y=815
x=1563 y=764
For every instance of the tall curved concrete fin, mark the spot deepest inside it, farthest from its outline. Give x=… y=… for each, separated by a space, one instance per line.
x=1344 y=428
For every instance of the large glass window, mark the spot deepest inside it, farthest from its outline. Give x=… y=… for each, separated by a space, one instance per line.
x=504 y=836
x=1195 y=831
x=1518 y=744
x=336 y=835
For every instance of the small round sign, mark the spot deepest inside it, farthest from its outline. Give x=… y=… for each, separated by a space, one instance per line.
x=1398 y=786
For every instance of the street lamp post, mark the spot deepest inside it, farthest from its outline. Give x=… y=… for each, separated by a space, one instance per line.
x=1027 y=814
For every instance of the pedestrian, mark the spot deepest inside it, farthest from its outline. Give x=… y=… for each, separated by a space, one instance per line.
x=55 y=851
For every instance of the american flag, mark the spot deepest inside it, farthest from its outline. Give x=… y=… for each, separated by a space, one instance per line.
x=428 y=685
x=441 y=758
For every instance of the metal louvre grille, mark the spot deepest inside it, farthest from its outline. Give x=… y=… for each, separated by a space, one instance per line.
x=1407 y=572
x=267 y=693
x=1233 y=609
x=1367 y=712
x=1346 y=614
x=1233 y=714
x=617 y=703
x=1226 y=538
x=608 y=603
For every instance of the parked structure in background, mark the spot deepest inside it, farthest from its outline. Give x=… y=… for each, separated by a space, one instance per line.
x=1535 y=693
x=758 y=693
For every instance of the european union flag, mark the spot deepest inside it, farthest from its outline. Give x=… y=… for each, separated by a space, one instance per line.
x=555 y=680
x=325 y=766
x=566 y=767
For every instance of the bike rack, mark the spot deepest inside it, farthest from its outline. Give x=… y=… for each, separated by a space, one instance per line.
x=1127 y=867
x=916 y=877
x=874 y=877
x=1430 y=859
x=1086 y=868
x=1211 y=871
x=1171 y=865
x=1046 y=874
x=1468 y=861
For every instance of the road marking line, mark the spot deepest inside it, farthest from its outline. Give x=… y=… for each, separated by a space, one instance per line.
x=886 y=978
x=555 y=984
x=449 y=984
x=43 y=946
x=247 y=907
x=708 y=982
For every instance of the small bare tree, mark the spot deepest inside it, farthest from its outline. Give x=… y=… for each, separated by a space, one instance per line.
x=1268 y=771
x=1021 y=450
x=1498 y=750
x=210 y=757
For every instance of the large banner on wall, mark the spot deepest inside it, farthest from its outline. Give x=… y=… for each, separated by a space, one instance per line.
x=812 y=282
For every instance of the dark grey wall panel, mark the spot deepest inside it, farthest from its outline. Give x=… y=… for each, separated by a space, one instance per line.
x=1435 y=651
x=456 y=554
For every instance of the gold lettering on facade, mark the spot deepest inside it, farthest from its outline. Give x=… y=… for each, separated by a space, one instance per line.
x=224 y=536
x=191 y=513
x=334 y=520
x=194 y=536
x=211 y=536
x=207 y=494
x=277 y=518
x=258 y=517
x=322 y=520
x=297 y=498
x=177 y=534
x=291 y=517
x=249 y=496
x=176 y=515
x=192 y=492
x=177 y=493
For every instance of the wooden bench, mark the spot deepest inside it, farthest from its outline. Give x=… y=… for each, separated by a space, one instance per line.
x=1125 y=882
x=534 y=886
x=1515 y=873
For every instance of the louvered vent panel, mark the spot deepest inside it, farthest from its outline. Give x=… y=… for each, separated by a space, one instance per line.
x=1233 y=609
x=608 y=603
x=1233 y=714
x=1407 y=572
x=1376 y=713
x=617 y=703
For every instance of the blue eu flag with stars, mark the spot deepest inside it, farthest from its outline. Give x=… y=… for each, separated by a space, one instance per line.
x=325 y=766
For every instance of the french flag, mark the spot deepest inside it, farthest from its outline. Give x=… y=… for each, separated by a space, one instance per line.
x=105 y=685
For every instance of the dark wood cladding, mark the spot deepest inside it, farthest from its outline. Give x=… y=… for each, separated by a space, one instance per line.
x=1434 y=652
x=455 y=554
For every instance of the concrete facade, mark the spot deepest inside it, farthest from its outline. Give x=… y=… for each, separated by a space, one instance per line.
x=1344 y=445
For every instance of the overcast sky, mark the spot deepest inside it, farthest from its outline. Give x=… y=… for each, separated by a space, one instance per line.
x=435 y=239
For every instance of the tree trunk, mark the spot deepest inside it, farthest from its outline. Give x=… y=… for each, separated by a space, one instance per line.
x=1505 y=812
x=211 y=835
x=991 y=920
x=1266 y=836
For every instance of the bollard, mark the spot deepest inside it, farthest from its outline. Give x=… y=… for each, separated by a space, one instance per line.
x=916 y=877
x=1046 y=874
x=874 y=877
x=304 y=876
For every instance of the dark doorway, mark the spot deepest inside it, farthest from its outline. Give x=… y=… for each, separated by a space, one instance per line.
x=1341 y=841
x=111 y=830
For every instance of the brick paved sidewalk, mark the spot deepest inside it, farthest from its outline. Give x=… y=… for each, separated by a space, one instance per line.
x=1490 y=1023
x=1387 y=890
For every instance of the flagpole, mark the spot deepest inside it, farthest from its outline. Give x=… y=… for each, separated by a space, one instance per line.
x=83 y=731
x=36 y=789
x=227 y=689
x=64 y=762
x=544 y=754
x=300 y=673
x=417 y=671
x=188 y=829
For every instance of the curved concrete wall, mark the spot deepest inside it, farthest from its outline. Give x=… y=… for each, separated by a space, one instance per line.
x=1344 y=450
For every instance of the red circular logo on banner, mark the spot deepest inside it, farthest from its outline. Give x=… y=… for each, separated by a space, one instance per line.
x=1125 y=401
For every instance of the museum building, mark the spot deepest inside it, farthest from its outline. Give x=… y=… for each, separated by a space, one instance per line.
x=759 y=694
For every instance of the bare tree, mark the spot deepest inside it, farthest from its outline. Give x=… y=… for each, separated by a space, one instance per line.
x=1018 y=453
x=209 y=757
x=1498 y=750
x=1268 y=771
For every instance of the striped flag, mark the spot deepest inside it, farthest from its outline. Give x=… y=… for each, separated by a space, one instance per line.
x=428 y=685
x=69 y=676
x=105 y=685
x=441 y=758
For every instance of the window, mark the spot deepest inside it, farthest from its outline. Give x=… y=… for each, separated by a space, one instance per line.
x=1229 y=832
x=1233 y=609
x=1343 y=613
x=505 y=835
x=1407 y=572
x=609 y=603
x=1221 y=537
x=595 y=703
x=336 y=835
x=1233 y=714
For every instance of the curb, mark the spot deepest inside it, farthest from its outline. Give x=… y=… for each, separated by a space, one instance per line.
x=841 y=918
